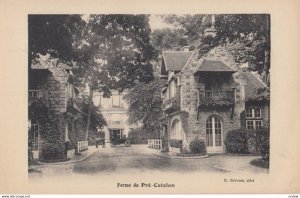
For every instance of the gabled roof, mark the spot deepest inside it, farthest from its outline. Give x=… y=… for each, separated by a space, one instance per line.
x=175 y=60
x=214 y=66
x=255 y=89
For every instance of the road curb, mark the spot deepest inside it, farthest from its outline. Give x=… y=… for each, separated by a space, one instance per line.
x=179 y=157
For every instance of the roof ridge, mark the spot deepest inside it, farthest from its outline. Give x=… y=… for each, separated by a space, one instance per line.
x=188 y=61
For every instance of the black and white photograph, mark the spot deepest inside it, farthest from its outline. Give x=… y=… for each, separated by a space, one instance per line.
x=157 y=98
x=146 y=93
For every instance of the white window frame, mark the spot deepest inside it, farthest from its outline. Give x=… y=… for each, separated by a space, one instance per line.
x=254 y=124
x=253 y=113
x=117 y=99
x=35 y=127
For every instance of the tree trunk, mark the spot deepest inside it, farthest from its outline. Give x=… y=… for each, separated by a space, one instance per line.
x=266 y=75
x=89 y=114
x=75 y=134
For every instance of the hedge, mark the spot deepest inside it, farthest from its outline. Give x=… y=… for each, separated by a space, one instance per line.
x=249 y=141
x=52 y=151
x=140 y=136
x=236 y=142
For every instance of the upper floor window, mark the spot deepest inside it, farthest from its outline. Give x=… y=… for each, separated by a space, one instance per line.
x=116 y=100
x=253 y=113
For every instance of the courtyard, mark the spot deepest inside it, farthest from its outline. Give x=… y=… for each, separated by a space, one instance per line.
x=141 y=159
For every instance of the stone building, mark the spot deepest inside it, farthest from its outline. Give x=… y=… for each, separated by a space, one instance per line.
x=51 y=94
x=210 y=96
x=114 y=109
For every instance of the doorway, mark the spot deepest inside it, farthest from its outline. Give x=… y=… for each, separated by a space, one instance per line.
x=214 y=135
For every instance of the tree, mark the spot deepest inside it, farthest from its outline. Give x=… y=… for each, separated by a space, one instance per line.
x=114 y=53
x=53 y=35
x=106 y=51
x=191 y=26
x=246 y=36
x=166 y=39
x=145 y=104
x=187 y=29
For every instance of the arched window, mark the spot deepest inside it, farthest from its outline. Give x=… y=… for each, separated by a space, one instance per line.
x=175 y=129
x=177 y=132
x=214 y=136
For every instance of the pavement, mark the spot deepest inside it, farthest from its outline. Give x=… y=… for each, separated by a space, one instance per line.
x=92 y=149
x=138 y=159
x=76 y=158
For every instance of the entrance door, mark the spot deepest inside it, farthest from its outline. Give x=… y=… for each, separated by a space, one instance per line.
x=214 y=135
x=116 y=133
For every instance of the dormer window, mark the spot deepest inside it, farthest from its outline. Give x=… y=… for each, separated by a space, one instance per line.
x=172 y=89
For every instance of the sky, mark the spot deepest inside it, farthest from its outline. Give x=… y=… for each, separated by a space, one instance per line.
x=156 y=22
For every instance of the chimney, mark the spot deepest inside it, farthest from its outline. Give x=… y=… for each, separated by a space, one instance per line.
x=211 y=31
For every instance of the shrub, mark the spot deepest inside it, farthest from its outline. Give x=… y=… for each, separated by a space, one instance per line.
x=236 y=142
x=140 y=136
x=52 y=151
x=252 y=142
x=175 y=143
x=69 y=145
x=263 y=136
x=197 y=146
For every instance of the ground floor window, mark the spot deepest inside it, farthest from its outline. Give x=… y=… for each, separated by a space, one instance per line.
x=254 y=124
x=35 y=135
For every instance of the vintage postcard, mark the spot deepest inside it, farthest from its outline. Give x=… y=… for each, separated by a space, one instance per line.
x=130 y=97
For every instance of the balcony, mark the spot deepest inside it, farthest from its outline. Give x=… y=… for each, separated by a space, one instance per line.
x=171 y=105
x=37 y=95
x=216 y=98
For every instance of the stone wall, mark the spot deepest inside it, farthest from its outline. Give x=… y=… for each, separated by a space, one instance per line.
x=56 y=86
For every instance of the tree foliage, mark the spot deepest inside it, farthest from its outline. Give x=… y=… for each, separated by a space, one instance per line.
x=246 y=36
x=53 y=35
x=115 y=52
x=106 y=51
x=145 y=103
x=166 y=39
x=191 y=26
x=187 y=29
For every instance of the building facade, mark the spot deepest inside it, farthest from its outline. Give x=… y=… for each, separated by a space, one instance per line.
x=207 y=97
x=114 y=109
x=51 y=95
